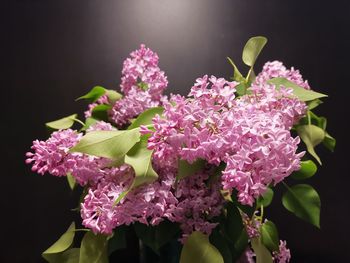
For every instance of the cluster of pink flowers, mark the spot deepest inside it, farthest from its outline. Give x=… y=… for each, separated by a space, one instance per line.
x=249 y=136
x=283 y=255
x=53 y=156
x=143 y=84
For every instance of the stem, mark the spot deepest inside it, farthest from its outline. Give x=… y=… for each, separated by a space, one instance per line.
x=248 y=75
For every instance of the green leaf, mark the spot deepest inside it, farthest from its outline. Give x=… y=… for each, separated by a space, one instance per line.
x=71 y=181
x=241 y=88
x=113 y=96
x=187 y=169
x=198 y=249
x=313 y=104
x=68 y=256
x=262 y=253
x=318 y=121
x=222 y=245
x=118 y=240
x=237 y=76
x=230 y=237
x=94 y=94
x=311 y=136
x=100 y=112
x=301 y=93
x=88 y=122
x=269 y=236
x=303 y=201
x=156 y=237
x=93 y=249
x=146 y=117
x=252 y=49
x=266 y=199
x=108 y=144
x=140 y=158
x=308 y=169
x=233 y=225
x=329 y=142
x=142 y=85
x=63 y=123
x=62 y=244
x=241 y=244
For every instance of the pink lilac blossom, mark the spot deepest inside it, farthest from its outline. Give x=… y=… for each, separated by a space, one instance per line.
x=53 y=156
x=270 y=98
x=247 y=256
x=276 y=69
x=198 y=203
x=192 y=204
x=250 y=134
x=283 y=255
x=251 y=225
x=132 y=105
x=142 y=83
x=142 y=67
x=101 y=126
x=147 y=204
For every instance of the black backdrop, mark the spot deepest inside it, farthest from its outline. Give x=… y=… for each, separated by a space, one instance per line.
x=55 y=51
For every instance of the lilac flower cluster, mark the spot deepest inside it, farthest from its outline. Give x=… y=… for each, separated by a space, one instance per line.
x=142 y=84
x=53 y=156
x=191 y=203
x=251 y=134
x=283 y=255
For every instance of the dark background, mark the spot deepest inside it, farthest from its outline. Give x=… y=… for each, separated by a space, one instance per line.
x=55 y=51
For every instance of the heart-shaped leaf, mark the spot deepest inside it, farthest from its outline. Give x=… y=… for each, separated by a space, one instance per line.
x=252 y=49
x=63 y=123
x=146 y=117
x=300 y=92
x=108 y=144
x=94 y=94
x=311 y=136
x=198 y=249
x=113 y=96
x=93 y=248
x=140 y=158
x=237 y=76
x=68 y=256
x=303 y=201
x=100 y=112
x=262 y=254
x=308 y=169
x=62 y=244
x=329 y=142
x=269 y=236
x=266 y=199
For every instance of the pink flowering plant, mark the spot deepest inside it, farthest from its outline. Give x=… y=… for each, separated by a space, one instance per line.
x=198 y=170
